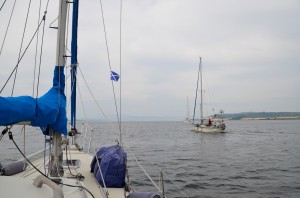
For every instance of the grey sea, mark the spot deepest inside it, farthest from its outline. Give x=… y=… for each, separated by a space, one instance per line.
x=251 y=159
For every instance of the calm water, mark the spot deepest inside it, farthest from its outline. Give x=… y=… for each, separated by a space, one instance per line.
x=252 y=159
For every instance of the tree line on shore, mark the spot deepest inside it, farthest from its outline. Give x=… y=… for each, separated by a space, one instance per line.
x=238 y=116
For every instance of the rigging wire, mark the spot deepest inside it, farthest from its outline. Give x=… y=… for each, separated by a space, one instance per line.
x=41 y=52
x=120 y=124
x=81 y=100
x=7 y=26
x=209 y=96
x=88 y=127
x=16 y=71
x=36 y=51
x=178 y=188
x=109 y=63
x=137 y=161
x=145 y=172
x=22 y=55
x=2 y=5
x=104 y=115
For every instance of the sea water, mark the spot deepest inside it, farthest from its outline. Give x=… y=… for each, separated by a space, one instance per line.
x=251 y=159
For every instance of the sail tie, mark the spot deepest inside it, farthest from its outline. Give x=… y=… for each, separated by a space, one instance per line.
x=7 y=128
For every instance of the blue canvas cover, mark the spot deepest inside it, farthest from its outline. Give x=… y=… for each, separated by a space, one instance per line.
x=112 y=160
x=48 y=111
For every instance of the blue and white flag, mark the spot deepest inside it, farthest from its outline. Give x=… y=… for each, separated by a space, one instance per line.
x=114 y=76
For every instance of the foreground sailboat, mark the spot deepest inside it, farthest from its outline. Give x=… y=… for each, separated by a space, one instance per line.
x=68 y=172
x=213 y=124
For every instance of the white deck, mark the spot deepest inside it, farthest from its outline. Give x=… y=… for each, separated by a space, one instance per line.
x=21 y=185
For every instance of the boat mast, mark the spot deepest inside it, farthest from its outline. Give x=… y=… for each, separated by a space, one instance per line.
x=201 y=92
x=187 y=109
x=74 y=64
x=56 y=153
x=196 y=93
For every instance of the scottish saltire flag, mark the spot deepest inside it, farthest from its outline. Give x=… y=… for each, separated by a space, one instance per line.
x=114 y=76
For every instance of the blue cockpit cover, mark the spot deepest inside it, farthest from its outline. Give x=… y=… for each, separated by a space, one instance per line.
x=112 y=161
x=48 y=111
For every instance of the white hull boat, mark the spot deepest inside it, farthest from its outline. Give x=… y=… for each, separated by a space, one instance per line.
x=207 y=125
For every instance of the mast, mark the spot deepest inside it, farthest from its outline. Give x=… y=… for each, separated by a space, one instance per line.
x=201 y=92
x=74 y=63
x=196 y=92
x=56 y=153
x=187 y=109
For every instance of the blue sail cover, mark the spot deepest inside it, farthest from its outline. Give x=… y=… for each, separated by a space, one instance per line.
x=112 y=161
x=47 y=111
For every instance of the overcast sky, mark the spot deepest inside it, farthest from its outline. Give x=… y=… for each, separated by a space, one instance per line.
x=250 y=53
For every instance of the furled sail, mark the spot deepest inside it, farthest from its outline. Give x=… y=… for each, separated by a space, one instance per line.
x=47 y=111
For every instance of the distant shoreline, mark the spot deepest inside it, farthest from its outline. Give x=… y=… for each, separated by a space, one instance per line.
x=274 y=118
